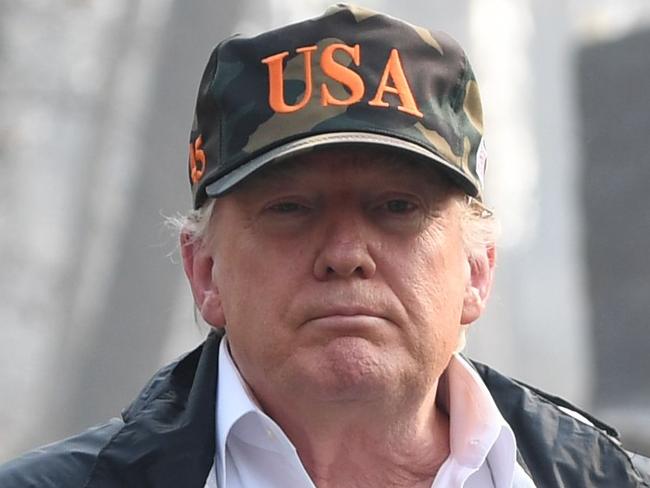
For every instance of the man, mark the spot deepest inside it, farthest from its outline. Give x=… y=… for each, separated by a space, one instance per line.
x=339 y=247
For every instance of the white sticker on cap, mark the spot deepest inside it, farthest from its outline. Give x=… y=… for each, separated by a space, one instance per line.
x=481 y=161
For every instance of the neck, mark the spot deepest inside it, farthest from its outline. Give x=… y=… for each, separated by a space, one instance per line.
x=368 y=444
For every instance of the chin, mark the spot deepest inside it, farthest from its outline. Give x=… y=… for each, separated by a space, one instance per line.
x=350 y=368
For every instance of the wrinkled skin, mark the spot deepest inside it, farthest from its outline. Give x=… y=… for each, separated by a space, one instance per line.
x=339 y=278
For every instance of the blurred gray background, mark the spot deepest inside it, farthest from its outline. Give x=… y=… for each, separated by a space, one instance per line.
x=96 y=100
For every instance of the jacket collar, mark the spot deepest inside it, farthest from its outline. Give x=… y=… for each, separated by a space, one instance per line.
x=168 y=437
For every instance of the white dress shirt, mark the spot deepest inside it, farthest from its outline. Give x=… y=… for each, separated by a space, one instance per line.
x=253 y=452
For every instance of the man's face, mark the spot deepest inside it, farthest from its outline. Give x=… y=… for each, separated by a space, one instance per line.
x=341 y=275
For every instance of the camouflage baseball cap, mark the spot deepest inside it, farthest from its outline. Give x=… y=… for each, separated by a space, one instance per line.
x=350 y=76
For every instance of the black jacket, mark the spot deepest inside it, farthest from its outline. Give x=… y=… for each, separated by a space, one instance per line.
x=166 y=438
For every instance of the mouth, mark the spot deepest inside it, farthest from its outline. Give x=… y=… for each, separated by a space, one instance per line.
x=347 y=319
x=347 y=311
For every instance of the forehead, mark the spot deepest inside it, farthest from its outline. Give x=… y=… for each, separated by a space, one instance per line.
x=352 y=163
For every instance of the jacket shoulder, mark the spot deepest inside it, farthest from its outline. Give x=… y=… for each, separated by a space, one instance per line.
x=560 y=444
x=164 y=439
x=73 y=462
x=642 y=465
x=68 y=463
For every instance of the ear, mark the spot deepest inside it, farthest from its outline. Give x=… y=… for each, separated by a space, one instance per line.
x=198 y=265
x=479 y=285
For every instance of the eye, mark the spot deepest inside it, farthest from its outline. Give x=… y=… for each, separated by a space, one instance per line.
x=399 y=212
x=286 y=207
x=399 y=206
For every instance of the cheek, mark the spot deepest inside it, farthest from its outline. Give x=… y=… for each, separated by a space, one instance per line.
x=436 y=269
x=256 y=283
x=432 y=276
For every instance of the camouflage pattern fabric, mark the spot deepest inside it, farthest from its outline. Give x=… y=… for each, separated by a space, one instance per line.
x=351 y=76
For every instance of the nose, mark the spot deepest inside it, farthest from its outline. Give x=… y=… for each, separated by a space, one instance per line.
x=344 y=252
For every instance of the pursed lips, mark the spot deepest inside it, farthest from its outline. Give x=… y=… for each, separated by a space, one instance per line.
x=345 y=314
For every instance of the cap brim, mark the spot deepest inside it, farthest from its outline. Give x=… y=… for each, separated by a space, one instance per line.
x=227 y=182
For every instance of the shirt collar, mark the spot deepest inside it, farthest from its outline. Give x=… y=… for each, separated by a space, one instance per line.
x=240 y=414
x=231 y=386
x=478 y=432
x=234 y=401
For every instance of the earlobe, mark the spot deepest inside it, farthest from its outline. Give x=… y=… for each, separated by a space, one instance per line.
x=478 y=288
x=198 y=265
x=472 y=305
